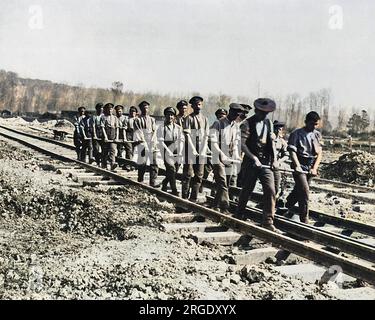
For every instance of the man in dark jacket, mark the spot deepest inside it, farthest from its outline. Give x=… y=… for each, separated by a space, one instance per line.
x=257 y=142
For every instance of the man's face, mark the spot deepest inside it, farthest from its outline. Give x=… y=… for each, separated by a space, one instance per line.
x=220 y=116
x=169 y=117
x=234 y=115
x=132 y=113
x=311 y=125
x=99 y=110
x=119 y=112
x=280 y=132
x=198 y=106
x=261 y=115
x=108 y=111
x=242 y=116
x=82 y=111
x=145 y=110
x=182 y=110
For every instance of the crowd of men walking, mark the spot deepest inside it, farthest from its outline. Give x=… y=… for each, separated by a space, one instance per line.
x=238 y=149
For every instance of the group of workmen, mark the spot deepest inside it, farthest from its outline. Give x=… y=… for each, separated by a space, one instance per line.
x=238 y=149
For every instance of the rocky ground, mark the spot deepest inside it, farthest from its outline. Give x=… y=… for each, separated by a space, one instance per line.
x=59 y=242
x=355 y=167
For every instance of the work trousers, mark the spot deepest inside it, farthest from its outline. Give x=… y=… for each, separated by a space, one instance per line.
x=142 y=166
x=222 y=180
x=277 y=177
x=120 y=149
x=250 y=174
x=170 y=174
x=129 y=150
x=108 y=153
x=78 y=144
x=192 y=173
x=97 y=150
x=86 y=149
x=300 y=194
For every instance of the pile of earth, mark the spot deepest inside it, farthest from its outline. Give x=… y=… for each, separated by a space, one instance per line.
x=64 y=125
x=355 y=167
x=109 y=214
x=9 y=152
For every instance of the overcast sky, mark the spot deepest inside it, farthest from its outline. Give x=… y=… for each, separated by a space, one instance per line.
x=210 y=46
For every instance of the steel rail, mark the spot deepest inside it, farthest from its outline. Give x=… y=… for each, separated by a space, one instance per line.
x=355 y=268
x=349 y=224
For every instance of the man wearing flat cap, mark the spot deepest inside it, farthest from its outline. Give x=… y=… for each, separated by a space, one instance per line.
x=97 y=133
x=182 y=107
x=196 y=132
x=129 y=146
x=219 y=113
x=224 y=135
x=109 y=124
x=145 y=135
x=171 y=140
x=121 y=130
x=257 y=142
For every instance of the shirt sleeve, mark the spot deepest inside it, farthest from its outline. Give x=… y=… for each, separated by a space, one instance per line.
x=186 y=126
x=160 y=134
x=214 y=132
x=245 y=131
x=292 y=141
x=102 y=122
x=318 y=142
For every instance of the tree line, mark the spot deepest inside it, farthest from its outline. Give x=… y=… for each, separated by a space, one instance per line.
x=28 y=95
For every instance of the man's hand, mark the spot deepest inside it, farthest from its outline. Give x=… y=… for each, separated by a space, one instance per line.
x=298 y=169
x=106 y=140
x=314 y=172
x=169 y=153
x=224 y=159
x=275 y=164
x=257 y=163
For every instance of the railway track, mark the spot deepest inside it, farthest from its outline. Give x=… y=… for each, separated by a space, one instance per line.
x=328 y=245
x=359 y=193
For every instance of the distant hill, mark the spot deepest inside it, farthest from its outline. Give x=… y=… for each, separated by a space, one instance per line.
x=33 y=95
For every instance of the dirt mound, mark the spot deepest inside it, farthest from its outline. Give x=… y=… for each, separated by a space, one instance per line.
x=12 y=153
x=109 y=214
x=64 y=124
x=354 y=167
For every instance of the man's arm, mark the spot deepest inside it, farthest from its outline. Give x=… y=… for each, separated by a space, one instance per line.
x=295 y=161
x=102 y=125
x=314 y=169
x=292 y=148
x=214 y=136
x=187 y=133
x=245 y=133
x=93 y=127
x=82 y=129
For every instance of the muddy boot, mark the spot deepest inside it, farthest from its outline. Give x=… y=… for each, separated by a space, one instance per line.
x=185 y=190
x=304 y=219
x=164 y=185
x=225 y=211
x=175 y=193
x=194 y=193
x=271 y=227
